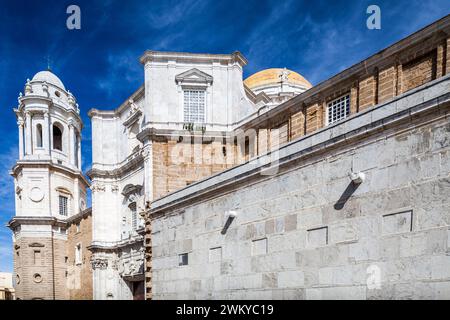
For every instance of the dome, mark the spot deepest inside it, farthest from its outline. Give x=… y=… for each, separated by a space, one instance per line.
x=48 y=77
x=275 y=76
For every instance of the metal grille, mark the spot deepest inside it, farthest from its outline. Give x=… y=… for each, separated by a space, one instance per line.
x=63 y=205
x=134 y=223
x=338 y=109
x=194 y=106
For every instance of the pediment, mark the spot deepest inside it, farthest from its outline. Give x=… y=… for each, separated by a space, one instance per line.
x=36 y=245
x=130 y=189
x=194 y=76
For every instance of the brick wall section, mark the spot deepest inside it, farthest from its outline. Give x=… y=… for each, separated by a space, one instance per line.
x=26 y=268
x=79 y=277
x=367 y=88
x=387 y=84
x=313 y=118
x=409 y=69
x=419 y=71
x=447 y=55
x=297 y=124
x=440 y=59
x=177 y=164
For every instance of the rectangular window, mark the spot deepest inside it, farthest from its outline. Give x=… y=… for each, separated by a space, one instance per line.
x=338 y=109
x=63 y=205
x=194 y=106
x=78 y=227
x=37 y=257
x=78 y=254
x=183 y=259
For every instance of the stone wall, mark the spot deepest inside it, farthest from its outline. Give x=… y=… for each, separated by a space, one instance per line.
x=79 y=276
x=178 y=164
x=308 y=232
x=39 y=268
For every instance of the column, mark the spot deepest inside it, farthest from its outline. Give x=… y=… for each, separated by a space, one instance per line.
x=148 y=172
x=46 y=134
x=71 y=143
x=28 y=134
x=76 y=197
x=79 y=151
x=20 y=124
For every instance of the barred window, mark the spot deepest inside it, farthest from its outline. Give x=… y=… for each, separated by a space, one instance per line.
x=194 y=106
x=63 y=205
x=338 y=109
x=134 y=218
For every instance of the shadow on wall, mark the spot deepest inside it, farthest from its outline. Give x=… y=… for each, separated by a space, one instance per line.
x=351 y=188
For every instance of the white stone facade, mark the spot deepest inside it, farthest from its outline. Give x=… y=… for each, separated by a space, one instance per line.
x=122 y=170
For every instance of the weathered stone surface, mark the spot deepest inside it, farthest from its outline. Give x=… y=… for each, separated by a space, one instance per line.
x=310 y=234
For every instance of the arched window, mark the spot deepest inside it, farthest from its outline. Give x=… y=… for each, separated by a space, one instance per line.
x=39 y=136
x=57 y=138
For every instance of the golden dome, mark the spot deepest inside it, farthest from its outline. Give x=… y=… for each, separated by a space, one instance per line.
x=275 y=75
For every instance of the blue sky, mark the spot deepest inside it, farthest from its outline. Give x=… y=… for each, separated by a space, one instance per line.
x=99 y=63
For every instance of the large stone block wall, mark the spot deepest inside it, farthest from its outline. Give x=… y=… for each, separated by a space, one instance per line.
x=79 y=276
x=39 y=268
x=178 y=164
x=309 y=233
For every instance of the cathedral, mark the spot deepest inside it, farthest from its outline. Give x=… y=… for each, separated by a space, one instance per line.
x=208 y=186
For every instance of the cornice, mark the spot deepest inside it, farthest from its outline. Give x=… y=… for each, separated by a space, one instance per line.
x=30 y=220
x=47 y=164
x=79 y=216
x=119 y=172
x=165 y=56
x=93 y=112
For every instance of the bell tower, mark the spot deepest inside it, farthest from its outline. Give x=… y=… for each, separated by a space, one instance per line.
x=49 y=186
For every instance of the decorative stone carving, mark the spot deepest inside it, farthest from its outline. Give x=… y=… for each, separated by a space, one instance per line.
x=146 y=152
x=101 y=264
x=72 y=101
x=45 y=87
x=284 y=75
x=36 y=194
x=98 y=187
x=28 y=88
x=194 y=75
x=133 y=106
x=130 y=189
x=115 y=188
